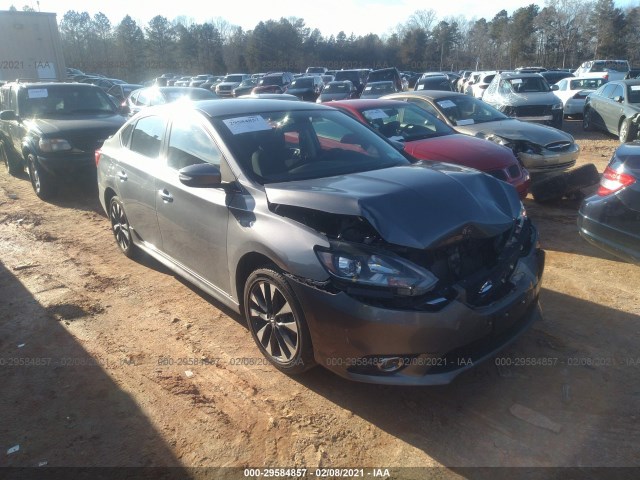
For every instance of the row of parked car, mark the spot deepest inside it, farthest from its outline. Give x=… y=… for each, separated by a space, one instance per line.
x=322 y=226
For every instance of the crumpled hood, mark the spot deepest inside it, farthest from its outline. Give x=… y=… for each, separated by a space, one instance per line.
x=77 y=124
x=517 y=130
x=415 y=206
x=532 y=98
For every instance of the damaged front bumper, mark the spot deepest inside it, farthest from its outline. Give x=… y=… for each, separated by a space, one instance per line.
x=550 y=161
x=419 y=346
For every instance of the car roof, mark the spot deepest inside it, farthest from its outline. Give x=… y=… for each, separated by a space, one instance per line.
x=520 y=75
x=358 y=104
x=56 y=84
x=431 y=94
x=231 y=106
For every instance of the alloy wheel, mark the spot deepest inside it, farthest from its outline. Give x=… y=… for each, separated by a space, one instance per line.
x=272 y=320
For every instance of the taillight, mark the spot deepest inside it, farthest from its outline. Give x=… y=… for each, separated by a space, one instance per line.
x=98 y=153
x=606 y=77
x=613 y=181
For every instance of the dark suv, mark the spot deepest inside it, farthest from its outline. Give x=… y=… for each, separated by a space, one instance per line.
x=274 y=82
x=53 y=129
x=356 y=76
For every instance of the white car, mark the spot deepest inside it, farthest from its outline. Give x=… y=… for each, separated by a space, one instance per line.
x=480 y=84
x=574 y=90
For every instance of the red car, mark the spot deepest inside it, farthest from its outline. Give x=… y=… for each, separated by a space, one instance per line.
x=427 y=138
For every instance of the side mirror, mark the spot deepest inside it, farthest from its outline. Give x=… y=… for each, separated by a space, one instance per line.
x=200 y=175
x=555 y=87
x=618 y=98
x=8 y=115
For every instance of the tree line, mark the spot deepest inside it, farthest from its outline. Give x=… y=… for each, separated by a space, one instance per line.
x=562 y=34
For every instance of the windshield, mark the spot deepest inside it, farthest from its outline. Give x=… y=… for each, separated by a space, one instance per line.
x=233 y=78
x=466 y=110
x=193 y=93
x=587 y=83
x=272 y=80
x=302 y=83
x=285 y=146
x=337 y=88
x=613 y=65
x=633 y=93
x=529 y=85
x=63 y=100
x=379 y=88
x=348 y=75
x=405 y=123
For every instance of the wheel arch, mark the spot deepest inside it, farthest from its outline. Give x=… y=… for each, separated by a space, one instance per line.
x=248 y=263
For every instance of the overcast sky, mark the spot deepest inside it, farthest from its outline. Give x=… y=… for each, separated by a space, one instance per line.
x=329 y=16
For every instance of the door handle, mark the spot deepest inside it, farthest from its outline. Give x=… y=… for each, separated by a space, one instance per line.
x=122 y=176
x=165 y=195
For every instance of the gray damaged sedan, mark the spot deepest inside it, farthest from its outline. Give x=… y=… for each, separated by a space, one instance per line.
x=337 y=248
x=540 y=148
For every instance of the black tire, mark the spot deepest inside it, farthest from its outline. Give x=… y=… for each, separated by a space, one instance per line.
x=43 y=184
x=587 y=123
x=564 y=184
x=13 y=167
x=628 y=131
x=277 y=322
x=121 y=228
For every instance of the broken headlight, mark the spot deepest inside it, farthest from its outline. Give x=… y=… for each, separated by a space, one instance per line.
x=350 y=264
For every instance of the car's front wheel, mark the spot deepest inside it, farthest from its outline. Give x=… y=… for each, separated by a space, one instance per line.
x=120 y=227
x=627 y=131
x=43 y=183
x=13 y=167
x=276 y=321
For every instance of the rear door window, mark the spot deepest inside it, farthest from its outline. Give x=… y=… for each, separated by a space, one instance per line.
x=146 y=138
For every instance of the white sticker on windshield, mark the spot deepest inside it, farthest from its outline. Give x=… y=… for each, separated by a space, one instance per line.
x=465 y=122
x=373 y=114
x=253 y=123
x=38 y=93
x=516 y=81
x=635 y=87
x=368 y=89
x=447 y=104
x=421 y=86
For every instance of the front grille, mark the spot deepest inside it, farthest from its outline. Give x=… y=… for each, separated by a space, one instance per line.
x=556 y=166
x=559 y=146
x=532 y=110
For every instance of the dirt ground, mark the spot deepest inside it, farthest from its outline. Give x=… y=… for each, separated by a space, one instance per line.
x=105 y=361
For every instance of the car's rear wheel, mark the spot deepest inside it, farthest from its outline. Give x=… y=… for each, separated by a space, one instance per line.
x=627 y=131
x=43 y=183
x=587 y=124
x=120 y=227
x=13 y=167
x=276 y=321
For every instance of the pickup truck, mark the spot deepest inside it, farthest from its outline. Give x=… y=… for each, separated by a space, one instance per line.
x=607 y=69
x=53 y=129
